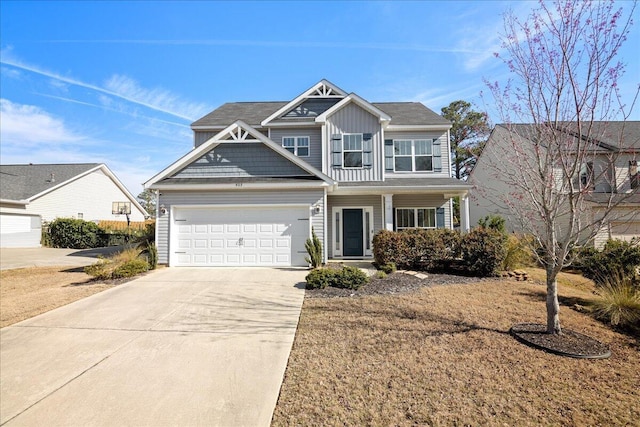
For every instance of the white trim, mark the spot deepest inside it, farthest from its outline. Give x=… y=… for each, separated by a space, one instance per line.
x=430 y=189
x=392 y=128
x=373 y=110
x=304 y=95
x=337 y=231
x=15 y=202
x=243 y=130
x=361 y=151
x=413 y=155
x=242 y=186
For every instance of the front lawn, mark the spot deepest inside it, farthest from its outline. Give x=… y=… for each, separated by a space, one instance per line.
x=443 y=356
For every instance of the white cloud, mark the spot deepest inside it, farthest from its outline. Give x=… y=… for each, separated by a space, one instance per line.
x=26 y=125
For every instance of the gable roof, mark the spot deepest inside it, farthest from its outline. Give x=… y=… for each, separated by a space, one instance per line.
x=238 y=132
x=355 y=99
x=26 y=183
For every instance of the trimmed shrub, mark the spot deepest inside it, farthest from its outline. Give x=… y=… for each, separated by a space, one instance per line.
x=351 y=278
x=617 y=258
x=130 y=268
x=388 y=268
x=483 y=251
x=320 y=278
x=416 y=249
x=74 y=234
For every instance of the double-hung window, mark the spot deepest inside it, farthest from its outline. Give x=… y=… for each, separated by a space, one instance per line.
x=413 y=155
x=352 y=150
x=298 y=145
x=415 y=218
x=634 y=176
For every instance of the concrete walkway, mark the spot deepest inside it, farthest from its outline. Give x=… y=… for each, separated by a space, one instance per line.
x=44 y=257
x=178 y=347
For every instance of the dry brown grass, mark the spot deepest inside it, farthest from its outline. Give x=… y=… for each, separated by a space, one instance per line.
x=443 y=356
x=27 y=292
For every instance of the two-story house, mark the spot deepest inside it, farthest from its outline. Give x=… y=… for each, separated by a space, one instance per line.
x=606 y=179
x=262 y=175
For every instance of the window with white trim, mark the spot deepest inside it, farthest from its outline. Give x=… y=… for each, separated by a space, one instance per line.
x=298 y=145
x=352 y=150
x=413 y=155
x=634 y=175
x=415 y=218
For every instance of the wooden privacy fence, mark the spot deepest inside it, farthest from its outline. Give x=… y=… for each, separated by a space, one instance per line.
x=122 y=225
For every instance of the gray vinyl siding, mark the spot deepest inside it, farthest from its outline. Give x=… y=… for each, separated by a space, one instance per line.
x=315 y=142
x=444 y=147
x=352 y=201
x=200 y=137
x=241 y=160
x=175 y=198
x=424 y=201
x=353 y=119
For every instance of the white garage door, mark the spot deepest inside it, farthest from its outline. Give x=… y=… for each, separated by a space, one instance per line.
x=271 y=236
x=625 y=230
x=20 y=231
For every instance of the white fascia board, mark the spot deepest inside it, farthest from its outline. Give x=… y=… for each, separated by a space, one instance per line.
x=352 y=97
x=392 y=128
x=301 y=98
x=245 y=186
x=444 y=190
x=310 y=124
x=15 y=202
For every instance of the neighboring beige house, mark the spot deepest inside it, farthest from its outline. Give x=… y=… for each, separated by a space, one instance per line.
x=262 y=175
x=609 y=176
x=33 y=194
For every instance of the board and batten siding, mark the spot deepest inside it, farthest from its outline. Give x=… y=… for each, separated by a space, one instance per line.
x=315 y=142
x=91 y=195
x=354 y=119
x=373 y=200
x=211 y=199
x=444 y=153
x=241 y=159
x=424 y=201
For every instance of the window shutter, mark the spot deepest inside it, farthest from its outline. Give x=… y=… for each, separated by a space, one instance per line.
x=367 y=151
x=440 y=218
x=437 y=156
x=388 y=155
x=336 y=150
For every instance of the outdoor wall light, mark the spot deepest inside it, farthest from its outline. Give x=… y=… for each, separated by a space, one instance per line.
x=163 y=210
x=316 y=209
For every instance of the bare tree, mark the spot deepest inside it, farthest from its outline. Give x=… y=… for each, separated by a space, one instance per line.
x=564 y=71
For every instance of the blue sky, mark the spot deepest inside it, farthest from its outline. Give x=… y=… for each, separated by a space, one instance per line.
x=120 y=82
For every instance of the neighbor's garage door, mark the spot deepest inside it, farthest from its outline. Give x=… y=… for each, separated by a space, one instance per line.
x=240 y=236
x=625 y=231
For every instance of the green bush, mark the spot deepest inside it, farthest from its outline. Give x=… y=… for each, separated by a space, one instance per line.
x=493 y=222
x=130 y=268
x=74 y=233
x=100 y=270
x=351 y=278
x=320 y=278
x=152 y=251
x=388 y=268
x=416 y=249
x=314 y=249
x=617 y=258
x=483 y=251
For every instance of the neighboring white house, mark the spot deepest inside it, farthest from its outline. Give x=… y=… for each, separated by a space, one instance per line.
x=33 y=194
x=262 y=175
x=608 y=177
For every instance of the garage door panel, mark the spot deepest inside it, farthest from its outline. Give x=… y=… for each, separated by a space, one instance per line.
x=236 y=237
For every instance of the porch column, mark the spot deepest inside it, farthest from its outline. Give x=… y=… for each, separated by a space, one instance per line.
x=388 y=211
x=464 y=214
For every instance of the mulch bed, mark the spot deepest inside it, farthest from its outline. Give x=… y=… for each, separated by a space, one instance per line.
x=396 y=283
x=569 y=343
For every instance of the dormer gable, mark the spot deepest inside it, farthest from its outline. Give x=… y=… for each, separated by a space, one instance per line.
x=352 y=98
x=309 y=104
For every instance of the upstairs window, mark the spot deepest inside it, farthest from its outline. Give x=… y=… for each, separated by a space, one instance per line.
x=587 y=176
x=298 y=145
x=634 y=176
x=352 y=150
x=415 y=218
x=413 y=155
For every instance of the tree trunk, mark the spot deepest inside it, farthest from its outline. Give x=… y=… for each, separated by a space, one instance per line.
x=553 y=307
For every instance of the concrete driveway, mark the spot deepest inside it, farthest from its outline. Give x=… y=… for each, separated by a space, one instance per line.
x=44 y=257
x=178 y=347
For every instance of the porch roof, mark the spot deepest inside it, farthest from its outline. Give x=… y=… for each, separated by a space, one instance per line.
x=406 y=185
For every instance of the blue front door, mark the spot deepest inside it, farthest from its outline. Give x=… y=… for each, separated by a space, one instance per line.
x=352 y=232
